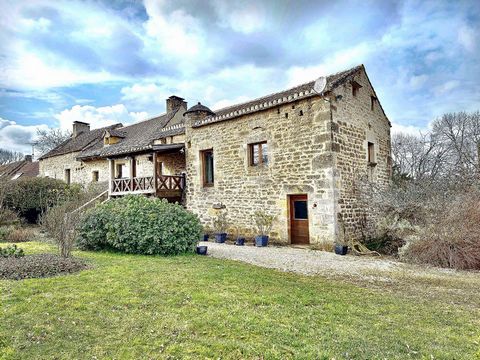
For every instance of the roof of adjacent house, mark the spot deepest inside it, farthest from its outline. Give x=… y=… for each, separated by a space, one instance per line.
x=286 y=96
x=17 y=169
x=85 y=140
x=137 y=137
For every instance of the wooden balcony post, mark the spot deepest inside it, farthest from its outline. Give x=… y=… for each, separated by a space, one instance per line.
x=155 y=179
x=111 y=164
x=132 y=173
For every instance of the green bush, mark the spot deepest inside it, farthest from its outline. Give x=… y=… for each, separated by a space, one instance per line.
x=29 y=197
x=139 y=225
x=11 y=251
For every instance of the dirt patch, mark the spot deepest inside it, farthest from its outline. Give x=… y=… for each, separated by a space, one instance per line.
x=39 y=266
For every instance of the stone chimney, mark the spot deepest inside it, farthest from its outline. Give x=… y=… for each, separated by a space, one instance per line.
x=79 y=127
x=175 y=102
x=28 y=158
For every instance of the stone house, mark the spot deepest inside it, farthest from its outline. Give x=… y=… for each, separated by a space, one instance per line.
x=296 y=154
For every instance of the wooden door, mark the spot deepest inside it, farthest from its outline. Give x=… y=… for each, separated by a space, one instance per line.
x=299 y=219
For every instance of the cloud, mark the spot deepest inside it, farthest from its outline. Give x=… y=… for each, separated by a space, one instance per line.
x=243 y=17
x=17 y=137
x=98 y=117
x=132 y=55
x=467 y=37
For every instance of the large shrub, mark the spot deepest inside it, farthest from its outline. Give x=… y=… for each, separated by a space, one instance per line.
x=452 y=236
x=29 y=197
x=136 y=224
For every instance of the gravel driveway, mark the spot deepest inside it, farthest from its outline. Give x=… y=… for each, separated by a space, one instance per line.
x=302 y=260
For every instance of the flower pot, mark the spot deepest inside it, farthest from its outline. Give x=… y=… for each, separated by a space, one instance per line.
x=202 y=250
x=205 y=237
x=240 y=241
x=341 y=249
x=261 y=240
x=221 y=237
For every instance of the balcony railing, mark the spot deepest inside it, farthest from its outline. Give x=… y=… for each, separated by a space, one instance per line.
x=165 y=184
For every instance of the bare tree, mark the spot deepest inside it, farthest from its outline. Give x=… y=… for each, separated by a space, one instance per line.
x=450 y=151
x=459 y=133
x=8 y=156
x=47 y=140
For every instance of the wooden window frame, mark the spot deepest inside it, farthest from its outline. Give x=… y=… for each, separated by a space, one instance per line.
x=371 y=153
x=203 y=155
x=68 y=176
x=260 y=154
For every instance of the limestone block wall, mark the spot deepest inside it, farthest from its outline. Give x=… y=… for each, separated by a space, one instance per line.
x=300 y=162
x=354 y=125
x=80 y=172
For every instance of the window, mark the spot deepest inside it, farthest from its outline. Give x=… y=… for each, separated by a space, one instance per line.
x=67 y=176
x=95 y=175
x=355 y=87
x=371 y=153
x=373 y=101
x=258 y=154
x=300 y=210
x=207 y=167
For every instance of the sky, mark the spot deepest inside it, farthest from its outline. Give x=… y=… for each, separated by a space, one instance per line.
x=105 y=62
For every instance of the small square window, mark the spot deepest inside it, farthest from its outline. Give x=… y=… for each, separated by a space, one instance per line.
x=258 y=154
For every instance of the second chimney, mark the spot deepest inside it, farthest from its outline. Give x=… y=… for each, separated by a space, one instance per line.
x=174 y=102
x=80 y=127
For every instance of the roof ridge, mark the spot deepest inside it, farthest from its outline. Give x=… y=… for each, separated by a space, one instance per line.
x=288 y=89
x=262 y=97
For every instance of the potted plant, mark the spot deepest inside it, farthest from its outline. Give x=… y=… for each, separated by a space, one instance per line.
x=240 y=239
x=263 y=223
x=206 y=233
x=202 y=249
x=341 y=249
x=220 y=226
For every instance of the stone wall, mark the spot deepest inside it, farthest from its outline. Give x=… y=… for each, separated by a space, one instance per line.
x=80 y=172
x=300 y=162
x=354 y=125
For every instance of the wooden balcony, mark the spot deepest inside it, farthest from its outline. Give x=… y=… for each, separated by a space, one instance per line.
x=167 y=186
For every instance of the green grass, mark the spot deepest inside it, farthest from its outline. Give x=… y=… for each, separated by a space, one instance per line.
x=130 y=306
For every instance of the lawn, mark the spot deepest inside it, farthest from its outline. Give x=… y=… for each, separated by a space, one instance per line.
x=131 y=306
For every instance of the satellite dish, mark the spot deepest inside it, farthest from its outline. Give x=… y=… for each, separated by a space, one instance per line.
x=320 y=84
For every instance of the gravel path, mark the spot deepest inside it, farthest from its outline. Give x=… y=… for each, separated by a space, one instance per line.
x=300 y=260
x=369 y=269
